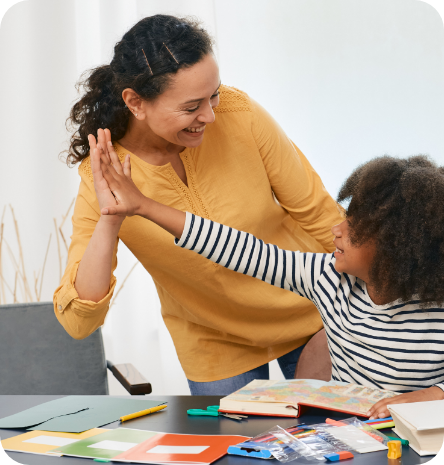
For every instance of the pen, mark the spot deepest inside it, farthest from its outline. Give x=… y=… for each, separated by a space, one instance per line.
x=329 y=421
x=385 y=424
x=378 y=420
x=404 y=442
x=142 y=413
x=290 y=430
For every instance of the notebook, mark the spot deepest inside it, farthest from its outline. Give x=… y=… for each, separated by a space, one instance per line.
x=287 y=398
x=140 y=446
x=422 y=423
x=42 y=442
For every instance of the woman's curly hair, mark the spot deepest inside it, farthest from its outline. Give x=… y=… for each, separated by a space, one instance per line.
x=145 y=60
x=399 y=204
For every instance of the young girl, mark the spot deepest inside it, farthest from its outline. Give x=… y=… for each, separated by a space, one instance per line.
x=380 y=294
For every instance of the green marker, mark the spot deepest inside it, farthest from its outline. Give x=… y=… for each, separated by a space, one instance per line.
x=404 y=442
x=102 y=460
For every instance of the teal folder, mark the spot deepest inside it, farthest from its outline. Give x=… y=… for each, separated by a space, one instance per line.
x=75 y=414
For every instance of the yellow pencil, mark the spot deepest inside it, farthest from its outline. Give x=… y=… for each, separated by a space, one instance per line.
x=142 y=413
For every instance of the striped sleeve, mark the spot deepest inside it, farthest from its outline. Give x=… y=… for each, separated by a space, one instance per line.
x=242 y=252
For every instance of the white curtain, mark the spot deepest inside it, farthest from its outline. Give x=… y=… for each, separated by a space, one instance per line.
x=347 y=80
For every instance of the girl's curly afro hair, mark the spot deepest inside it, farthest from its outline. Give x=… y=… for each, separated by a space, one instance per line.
x=399 y=205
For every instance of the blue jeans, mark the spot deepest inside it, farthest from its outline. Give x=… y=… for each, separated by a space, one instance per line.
x=224 y=387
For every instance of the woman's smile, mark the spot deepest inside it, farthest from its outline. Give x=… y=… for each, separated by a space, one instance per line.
x=194 y=131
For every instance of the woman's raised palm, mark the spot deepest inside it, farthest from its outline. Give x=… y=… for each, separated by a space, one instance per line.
x=98 y=150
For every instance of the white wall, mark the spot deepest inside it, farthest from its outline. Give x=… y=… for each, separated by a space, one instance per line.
x=347 y=80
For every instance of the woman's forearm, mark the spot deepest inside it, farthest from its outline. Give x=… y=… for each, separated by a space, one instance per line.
x=94 y=272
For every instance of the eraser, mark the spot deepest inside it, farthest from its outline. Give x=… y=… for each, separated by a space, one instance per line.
x=336 y=457
x=332 y=457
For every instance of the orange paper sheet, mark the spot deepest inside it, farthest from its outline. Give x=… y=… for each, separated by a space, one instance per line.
x=180 y=448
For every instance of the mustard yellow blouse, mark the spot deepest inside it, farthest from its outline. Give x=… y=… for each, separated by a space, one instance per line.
x=246 y=174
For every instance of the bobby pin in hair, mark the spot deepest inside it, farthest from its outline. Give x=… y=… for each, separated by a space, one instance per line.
x=151 y=71
x=170 y=53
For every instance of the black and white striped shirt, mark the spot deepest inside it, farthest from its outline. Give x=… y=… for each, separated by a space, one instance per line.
x=396 y=346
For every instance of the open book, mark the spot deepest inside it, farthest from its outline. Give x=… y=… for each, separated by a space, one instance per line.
x=422 y=423
x=285 y=398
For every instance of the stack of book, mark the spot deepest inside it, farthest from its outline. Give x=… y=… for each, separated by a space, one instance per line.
x=421 y=423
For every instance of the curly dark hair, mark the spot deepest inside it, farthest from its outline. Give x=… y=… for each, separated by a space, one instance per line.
x=399 y=204
x=145 y=60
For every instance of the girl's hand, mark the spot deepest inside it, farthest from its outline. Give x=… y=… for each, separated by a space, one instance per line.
x=103 y=192
x=379 y=410
x=127 y=198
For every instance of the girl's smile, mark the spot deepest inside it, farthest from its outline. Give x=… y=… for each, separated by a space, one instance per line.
x=351 y=259
x=338 y=251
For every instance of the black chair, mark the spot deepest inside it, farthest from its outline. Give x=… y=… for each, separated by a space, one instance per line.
x=37 y=356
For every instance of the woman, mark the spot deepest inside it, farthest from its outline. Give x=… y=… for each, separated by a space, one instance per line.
x=158 y=99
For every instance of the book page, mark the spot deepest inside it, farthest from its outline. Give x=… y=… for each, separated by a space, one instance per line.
x=331 y=395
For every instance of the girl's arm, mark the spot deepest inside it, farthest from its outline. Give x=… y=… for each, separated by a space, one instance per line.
x=380 y=410
x=236 y=250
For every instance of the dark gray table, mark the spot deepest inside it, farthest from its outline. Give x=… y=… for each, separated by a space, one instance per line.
x=174 y=419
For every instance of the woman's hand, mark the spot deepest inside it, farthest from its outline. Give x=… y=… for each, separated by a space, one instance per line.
x=379 y=410
x=103 y=192
x=127 y=199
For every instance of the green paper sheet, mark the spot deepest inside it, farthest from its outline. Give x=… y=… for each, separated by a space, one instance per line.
x=118 y=436
x=75 y=414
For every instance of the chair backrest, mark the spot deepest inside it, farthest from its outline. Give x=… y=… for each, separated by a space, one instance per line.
x=37 y=356
x=314 y=361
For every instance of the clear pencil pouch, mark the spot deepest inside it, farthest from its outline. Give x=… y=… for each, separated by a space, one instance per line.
x=290 y=444
x=354 y=434
x=275 y=443
x=312 y=442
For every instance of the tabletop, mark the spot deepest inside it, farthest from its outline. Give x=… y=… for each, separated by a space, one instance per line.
x=174 y=419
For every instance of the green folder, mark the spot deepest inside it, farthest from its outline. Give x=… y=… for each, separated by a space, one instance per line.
x=115 y=442
x=75 y=414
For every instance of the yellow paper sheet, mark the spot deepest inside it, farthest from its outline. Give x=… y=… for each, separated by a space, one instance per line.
x=41 y=442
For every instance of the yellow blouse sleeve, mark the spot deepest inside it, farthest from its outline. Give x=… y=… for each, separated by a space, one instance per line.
x=79 y=317
x=296 y=185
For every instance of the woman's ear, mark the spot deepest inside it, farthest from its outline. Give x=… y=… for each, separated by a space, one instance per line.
x=134 y=103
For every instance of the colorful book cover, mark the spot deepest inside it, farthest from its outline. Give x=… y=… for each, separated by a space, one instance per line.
x=41 y=442
x=332 y=395
x=189 y=449
x=107 y=445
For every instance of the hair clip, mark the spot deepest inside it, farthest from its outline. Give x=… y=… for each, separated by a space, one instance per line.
x=170 y=53
x=151 y=71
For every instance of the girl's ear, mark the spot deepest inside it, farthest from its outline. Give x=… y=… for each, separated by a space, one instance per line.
x=133 y=102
